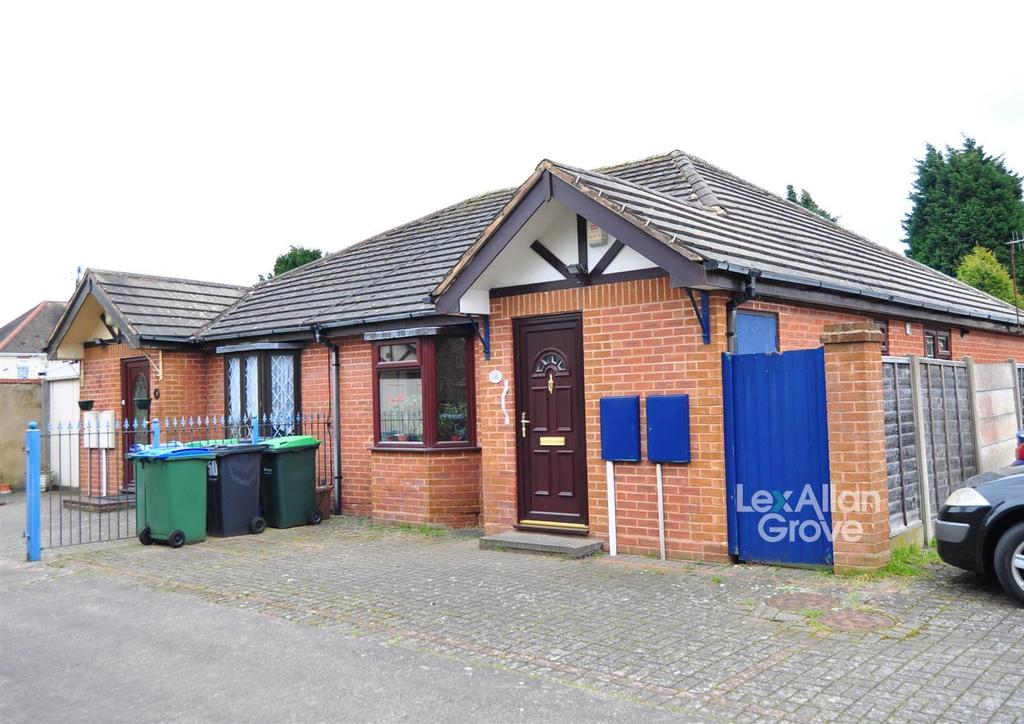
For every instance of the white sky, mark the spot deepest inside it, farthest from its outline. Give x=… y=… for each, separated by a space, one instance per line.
x=200 y=139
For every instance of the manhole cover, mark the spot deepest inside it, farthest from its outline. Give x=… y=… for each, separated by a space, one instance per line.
x=803 y=602
x=857 y=621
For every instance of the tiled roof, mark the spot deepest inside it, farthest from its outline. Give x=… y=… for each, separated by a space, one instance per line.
x=704 y=213
x=27 y=333
x=163 y=307
x=734 y=225
x=388 y=275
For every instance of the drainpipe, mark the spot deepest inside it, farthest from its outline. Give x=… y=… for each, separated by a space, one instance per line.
x=335 y=376
x=749 y=292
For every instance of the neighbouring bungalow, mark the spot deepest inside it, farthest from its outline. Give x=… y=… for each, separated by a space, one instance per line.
x=448 y=350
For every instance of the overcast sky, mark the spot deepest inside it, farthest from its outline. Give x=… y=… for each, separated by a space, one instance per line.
x=201 y=139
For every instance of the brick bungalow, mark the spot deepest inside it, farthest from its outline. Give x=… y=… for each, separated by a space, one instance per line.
x=632 y=280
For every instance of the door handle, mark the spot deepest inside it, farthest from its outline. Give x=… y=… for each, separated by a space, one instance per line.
x=524 y=422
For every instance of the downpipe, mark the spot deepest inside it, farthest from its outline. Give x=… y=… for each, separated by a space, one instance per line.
x=749 y=292
x=335 y=377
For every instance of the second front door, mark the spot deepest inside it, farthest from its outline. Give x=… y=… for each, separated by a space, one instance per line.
x=552 y=460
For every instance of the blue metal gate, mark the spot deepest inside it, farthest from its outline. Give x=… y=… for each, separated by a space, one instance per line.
x=777 y=475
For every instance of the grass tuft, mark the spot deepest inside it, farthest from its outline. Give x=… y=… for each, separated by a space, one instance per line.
x=906 y=562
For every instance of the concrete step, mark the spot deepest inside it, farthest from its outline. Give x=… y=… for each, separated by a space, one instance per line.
x=570 y=546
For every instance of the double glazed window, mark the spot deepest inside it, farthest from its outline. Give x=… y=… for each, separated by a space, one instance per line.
x=423 y=392
x=937 y=343
x=259 y=385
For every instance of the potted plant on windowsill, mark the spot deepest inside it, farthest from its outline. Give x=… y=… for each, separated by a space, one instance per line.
x=451 y=422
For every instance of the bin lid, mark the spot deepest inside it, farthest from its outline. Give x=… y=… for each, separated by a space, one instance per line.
x=225 y=450
x=290 y=442
x=172 y=453
x=212 y=443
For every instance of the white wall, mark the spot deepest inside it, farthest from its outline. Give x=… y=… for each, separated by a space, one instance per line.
x=11 y=364
x=554 y=225
x=62 y=397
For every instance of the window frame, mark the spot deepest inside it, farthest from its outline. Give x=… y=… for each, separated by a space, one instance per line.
x=263 y=383
x=935 y=332
x=426 y=363
x=759 y=313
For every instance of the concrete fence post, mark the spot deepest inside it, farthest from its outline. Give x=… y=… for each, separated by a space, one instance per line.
x=856 y=433
x=1016 y=391
x=33 y=503
x=972 y=391
x=923 y=477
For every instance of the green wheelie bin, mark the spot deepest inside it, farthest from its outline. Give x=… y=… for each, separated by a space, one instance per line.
x=288 y=481
x=170 y=494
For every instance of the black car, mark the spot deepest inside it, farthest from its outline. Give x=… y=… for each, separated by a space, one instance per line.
x=981 y=528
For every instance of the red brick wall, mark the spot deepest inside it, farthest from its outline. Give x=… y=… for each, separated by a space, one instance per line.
x=356 y=426
x=432 y=488
x=415 y=487
x=184 y=391
x=856 y=423
x=800 y=327
x=639 y=338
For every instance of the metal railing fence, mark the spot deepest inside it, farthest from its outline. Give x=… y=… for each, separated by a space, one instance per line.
x=83 y=489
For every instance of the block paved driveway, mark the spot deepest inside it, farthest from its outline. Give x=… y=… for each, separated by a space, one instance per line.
x=601 y=638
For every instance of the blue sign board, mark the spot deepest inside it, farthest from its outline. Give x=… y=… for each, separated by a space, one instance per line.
x=668 y=429
x=620 y=429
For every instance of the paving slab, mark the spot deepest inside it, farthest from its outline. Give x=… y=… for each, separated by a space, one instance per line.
x=700 y=641
x=570 y=546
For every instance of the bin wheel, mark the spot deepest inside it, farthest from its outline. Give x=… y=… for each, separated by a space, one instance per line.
x=176 y=539
x=315 y=518
x=257 y=525
x=144 y=537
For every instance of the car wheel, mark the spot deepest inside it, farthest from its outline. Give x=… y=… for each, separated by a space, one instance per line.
x=1009 y=561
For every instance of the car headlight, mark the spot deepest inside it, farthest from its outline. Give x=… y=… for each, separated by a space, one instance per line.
x=966 y=498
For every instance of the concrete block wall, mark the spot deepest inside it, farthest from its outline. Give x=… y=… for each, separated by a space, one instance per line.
x=995 y=414
x=22 y=403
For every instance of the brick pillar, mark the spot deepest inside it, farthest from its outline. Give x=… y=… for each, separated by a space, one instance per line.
x=856 y=432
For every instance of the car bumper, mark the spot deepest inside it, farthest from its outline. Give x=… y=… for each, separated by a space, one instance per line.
x=959 y=533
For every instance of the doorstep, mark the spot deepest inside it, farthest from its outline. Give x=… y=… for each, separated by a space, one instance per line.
x=570 y=546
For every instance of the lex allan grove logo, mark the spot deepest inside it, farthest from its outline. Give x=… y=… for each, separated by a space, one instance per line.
x=806 y=515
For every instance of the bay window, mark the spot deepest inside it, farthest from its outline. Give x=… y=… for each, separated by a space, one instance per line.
x=423 y=392
x=262 y=384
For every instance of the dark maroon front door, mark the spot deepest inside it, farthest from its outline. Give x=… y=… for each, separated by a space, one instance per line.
x=135 y=409
x=552 y=460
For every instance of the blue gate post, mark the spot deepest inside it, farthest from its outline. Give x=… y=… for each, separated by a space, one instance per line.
x=155 y=426
x=33 y=507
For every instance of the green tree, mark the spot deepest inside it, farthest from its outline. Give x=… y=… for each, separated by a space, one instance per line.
x=805 y=200
x=295 y=257
x=962 y=198
x=983 y=271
